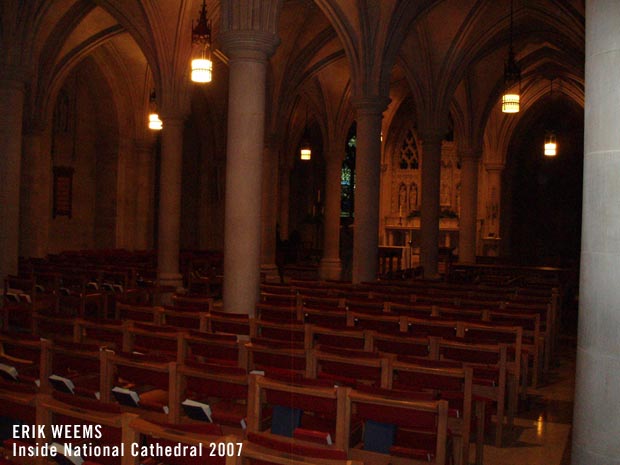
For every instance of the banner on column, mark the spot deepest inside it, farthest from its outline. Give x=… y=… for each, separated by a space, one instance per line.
x=63 y=186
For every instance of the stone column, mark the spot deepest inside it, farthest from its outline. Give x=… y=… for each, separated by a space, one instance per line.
x=269 y=210
x=369 y=111
x=284 y=202
x=469 y=203
x=11 y=111
x=170 y=200
x=494 y=177
x=145 y=155
x=596 y=421
x=429 y=220
x=36 y=194
x=248 y=53
x=331 y=267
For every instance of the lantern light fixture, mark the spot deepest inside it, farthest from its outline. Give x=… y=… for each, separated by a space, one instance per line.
x=305 y=151
x=551 y=145
x=202 y=63
x=512 y=77
x=155 y=124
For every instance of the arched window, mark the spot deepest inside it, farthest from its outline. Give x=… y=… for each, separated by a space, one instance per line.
x=347 y=176
x=409 y=157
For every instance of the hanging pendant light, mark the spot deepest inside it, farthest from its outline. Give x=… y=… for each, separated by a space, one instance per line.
x=305 y=151
x=551 y=145
x=202 y=64
x=512 y=77
x=155 y=124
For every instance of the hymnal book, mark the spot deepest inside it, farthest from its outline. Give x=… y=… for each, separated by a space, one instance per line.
x=284 y=420
x=379 y=437
x=62 y=384
x=258 y=372
x=71 y=459
x=125 y=396
x=311 y=435
x=8 y=372
x=197 y=410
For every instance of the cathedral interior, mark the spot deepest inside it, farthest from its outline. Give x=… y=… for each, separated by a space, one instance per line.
x=420 y=165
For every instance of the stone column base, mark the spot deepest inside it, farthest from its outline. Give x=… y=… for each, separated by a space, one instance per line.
x=330 y=268
x=269 y=273
x=171 y=279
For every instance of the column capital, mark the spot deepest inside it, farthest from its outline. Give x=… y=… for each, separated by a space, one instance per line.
x=372 y=104
x=431 y=136
x=172 y=118
x=469 y=154
x=249 y=45
x=494 y=166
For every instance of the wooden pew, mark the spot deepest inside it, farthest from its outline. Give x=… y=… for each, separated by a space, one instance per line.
x=104 y=417
x=320 y=408
x=348 y=367
x=452 y=384
x=405 y=414
x=224 y=389
x=150 y=377
x=216 y=448
x=226 y=349
x=490 y=365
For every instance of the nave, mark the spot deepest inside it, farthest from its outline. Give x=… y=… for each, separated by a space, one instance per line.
x=404 y=372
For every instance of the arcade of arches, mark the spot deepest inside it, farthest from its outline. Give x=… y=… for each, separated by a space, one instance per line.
x=417 y=84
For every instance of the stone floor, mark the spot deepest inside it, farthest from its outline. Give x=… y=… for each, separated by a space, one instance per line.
x=541 y=435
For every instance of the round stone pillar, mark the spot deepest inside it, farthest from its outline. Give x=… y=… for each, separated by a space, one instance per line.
x=248 y=53
x=143 y=239
x=330 y=267
x=11 y=111
x=284 y=199
x=469 y=203
x=369 y=112
x=269 y=210
x=35 y=195
x=494 y=178
x=170 y=200
x=596 y=421
x=429 y=220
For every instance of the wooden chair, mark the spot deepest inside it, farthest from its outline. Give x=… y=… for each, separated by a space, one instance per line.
x=150 y=377
x=266 y=354
x=143 y=313
x=231 y=323
x=78 y=364
x=348 y=367
x=277 y=330
x=399 y=344
x=187 y=318
x=489 y=362
x=225 y=349
x=452 y=384
x=215 y=448
x=224 y=389
x=108 y=332
x=319 y=408
x=412 y=419
x=102 y=417
x=336 y=337
x=284 y=451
